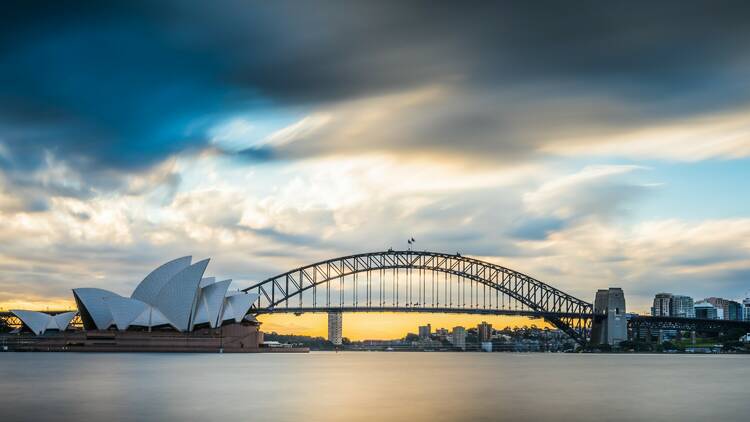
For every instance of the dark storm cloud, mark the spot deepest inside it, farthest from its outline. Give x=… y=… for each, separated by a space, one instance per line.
x=119 y=86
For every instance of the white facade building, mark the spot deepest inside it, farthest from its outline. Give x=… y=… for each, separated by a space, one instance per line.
x=335 y=328
x=176 y=294
x=458 y=337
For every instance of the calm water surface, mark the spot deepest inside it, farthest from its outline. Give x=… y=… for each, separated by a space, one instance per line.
x=373 y=386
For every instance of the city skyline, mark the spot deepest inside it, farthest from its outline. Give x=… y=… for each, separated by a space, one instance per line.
x=276 y=135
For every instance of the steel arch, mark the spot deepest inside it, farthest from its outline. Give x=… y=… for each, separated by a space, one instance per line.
x=570 y=314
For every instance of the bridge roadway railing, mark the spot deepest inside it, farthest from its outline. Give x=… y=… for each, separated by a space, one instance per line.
x=415 y=309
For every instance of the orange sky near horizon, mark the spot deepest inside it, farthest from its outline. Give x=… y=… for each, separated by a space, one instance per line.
x=386 y=325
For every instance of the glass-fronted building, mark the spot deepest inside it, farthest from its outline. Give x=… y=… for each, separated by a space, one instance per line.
x=683 y=306
x=705 y=310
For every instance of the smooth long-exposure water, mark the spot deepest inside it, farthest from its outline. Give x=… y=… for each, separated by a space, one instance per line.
x=373 y=386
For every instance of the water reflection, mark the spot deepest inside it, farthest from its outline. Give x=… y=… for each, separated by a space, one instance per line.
x=373 y=386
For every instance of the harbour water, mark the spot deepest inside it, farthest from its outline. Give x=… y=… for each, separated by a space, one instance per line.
x=383 y=386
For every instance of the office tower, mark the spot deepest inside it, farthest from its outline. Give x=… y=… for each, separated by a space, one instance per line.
x=335 y=322
x=484 y=332
x=425 y=331
x=459 y=337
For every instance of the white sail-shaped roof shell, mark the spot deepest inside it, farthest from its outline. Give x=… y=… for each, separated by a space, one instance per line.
x=63 y=320
x=206 y=281
x=35 y=321
x=174 y=294
x=39 y=322
x=150 y=317
x=177 y=298
x=148 y=289
x=125 y=310
x=210 y=303
x=91 y=302
x=237 y=305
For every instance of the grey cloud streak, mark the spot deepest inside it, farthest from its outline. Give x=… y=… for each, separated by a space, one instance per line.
x=122 y=82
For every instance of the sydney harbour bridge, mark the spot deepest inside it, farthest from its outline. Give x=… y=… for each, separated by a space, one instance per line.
x=420 y=281
x=433 y=282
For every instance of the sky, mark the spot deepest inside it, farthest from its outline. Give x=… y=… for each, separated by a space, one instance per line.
x=588 y=144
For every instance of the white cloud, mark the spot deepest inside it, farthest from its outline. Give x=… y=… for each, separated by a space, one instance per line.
x=257 y=221
x=704 y=258
x=297 y=131
x=234 y=135
x=595 y=190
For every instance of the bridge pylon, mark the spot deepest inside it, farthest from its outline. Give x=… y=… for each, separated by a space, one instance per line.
x=610 y=325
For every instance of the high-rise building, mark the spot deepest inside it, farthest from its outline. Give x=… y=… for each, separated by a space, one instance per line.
x=730 y=309
x=733 y=311
x=442 y=333
x=335 y=322
x=746 y=309
x=705 y=310
x=484 y=332
x=682 y=307
x=662 y=305
x=458 y=337
x=613 y=329
x=425 y=331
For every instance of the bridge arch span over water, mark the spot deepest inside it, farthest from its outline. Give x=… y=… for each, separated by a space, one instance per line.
x=420 y=281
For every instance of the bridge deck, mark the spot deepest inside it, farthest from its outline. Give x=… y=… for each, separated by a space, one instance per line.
x=392 y=309
x=646 y=322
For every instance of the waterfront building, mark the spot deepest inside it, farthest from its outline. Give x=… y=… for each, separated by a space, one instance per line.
x=335 y=328
x=174 y=296
x=442 y=333
x=458 y=337
x=614 y=329
x=746 y=309
x=682 y=307
x=174 y=308
x=731 y=310
x=662 y=305
x=425 y=331
x=705 y=310
x=484 y=332
x=667 y=304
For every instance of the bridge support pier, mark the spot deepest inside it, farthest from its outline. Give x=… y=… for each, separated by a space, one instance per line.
x=609 y=325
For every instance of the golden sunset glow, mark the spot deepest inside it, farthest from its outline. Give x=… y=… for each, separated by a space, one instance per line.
x=367 y=326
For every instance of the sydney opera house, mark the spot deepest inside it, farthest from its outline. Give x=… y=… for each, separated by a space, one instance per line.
x=174 y=308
